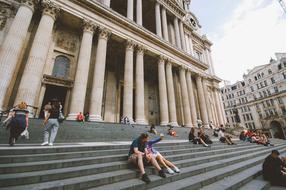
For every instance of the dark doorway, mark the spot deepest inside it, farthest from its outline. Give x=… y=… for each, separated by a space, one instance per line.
x=276 y=130
x=54 y=92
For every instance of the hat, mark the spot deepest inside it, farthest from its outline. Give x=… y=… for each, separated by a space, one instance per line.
x=276 y=152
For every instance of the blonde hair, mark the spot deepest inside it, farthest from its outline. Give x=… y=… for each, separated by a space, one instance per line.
x=22 y=105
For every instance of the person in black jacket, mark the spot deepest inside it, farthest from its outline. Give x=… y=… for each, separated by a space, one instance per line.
x=273 y=169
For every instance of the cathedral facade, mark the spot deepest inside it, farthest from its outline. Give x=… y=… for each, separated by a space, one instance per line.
x=141 y=59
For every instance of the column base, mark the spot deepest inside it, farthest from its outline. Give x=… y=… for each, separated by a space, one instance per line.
x=141 y=122
x=188 y=125
x=174 y=124
x=96 y=118
x=71 y=117
x=164 y=123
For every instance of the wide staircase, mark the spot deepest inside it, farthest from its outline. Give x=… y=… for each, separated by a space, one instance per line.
x=104 y=166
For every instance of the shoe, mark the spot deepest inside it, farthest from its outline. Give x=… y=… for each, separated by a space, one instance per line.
x=170 y=171
x=176 y=170
x=162 y=174
x=44 y=143
x=145 y=178
x=51 y=144
x=206 y=145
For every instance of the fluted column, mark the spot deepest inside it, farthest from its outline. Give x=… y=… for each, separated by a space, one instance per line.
x=185 y=98
x=165 y=24
x=202 y=102
x=139 y=12
x=31 y=80
x=207 y=100
x=106 y=2
x=80 y=83
x=218 y=108
x=164 y=115
x=177 y=33
x=171 y=95
x=128 y=81
x=191 y=98
x=191 y=45
x=183 y=40
x=158 y=20
x=139 y=109
x=98 y=79
x=12 y=46
x=130 y=9
x=187 y=44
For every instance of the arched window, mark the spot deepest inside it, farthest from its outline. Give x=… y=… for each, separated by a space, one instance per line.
x=269 y=72
x=61 y=67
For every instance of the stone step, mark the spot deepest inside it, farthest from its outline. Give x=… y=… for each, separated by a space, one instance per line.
x=185 y=174
x=209 y=177
x=256 y=184
x=68 y=155
x=56 y=164
x=33 y=177
x=84 y=182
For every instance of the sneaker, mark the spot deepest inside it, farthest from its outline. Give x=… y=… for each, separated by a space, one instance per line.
x=176 y=169
x=51 y=144
x=206 y=145
x=162 y=174
x=170 y=171
x=44 y=143
x=145 y=178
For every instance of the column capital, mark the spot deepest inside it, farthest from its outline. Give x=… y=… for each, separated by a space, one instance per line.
x=31 y=4
x=162 y=58
x=183 y=68
x=104 y=33
x=50 y=8
x=88 y=26
x=130 y=45
x=140 y=49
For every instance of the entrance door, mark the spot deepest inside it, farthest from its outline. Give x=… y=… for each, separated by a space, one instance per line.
x=54 y=92
x=276 y=130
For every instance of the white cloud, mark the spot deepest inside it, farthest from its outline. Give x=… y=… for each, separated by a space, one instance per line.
x=255 y=31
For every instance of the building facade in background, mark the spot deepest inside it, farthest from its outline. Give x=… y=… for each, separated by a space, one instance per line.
x=259 y=101
x=142 y=59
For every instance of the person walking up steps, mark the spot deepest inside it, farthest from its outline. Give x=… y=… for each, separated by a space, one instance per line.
x=51 y=124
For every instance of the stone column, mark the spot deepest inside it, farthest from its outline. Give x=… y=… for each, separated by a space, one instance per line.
x=164 y=115
x=171 y=95
x=139 y=12
x=106 y=2
x=187 y=44
x=192 y=98
x=207 y=100
x=139 y=109
x=202 y=102
x=158 y=20
x=183 y=40
x=12 y=46
x=98 y=79
x=130 y=9
x=165 y=24
x=80 y=83
x=185 y=98
x=32 y=77
x=177 y=33
x=191 y=45
x=128 y=82
x=217 y=104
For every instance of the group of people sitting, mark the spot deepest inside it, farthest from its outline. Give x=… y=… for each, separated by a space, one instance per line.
x=224 y=138
x=143 y=153
x=255 y=137
x=201 y=138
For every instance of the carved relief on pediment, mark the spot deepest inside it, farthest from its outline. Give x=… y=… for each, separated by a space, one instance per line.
x=66 y=41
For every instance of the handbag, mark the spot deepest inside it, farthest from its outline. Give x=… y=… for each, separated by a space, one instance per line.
x=25 y=133
x=61 y=117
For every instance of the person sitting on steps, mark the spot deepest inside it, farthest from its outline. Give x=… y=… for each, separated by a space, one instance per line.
x=203 y=138
x=153 y=129
x=170 y=167
x=224 y=138
x=192 y=136
x=138 y=155
x=80 y=117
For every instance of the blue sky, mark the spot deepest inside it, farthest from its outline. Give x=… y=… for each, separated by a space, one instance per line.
x=245 y=33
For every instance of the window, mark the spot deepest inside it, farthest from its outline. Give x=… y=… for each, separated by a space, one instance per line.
x=272 y=102
x=255 y=78
x=264 y=93
x=279 y=67
x=276 y=89
x=61 y=67
x=272 y=80
x=284 y=75
x=269 y=72
x=265 y=83
x=280 y=101
x=251 y=116
x=252 y=89
x=260 y=94
x=268 y=91
x=262 y=74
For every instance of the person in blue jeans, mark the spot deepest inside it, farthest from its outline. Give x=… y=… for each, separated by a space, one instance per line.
x=51 y=124
x=170 y=167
